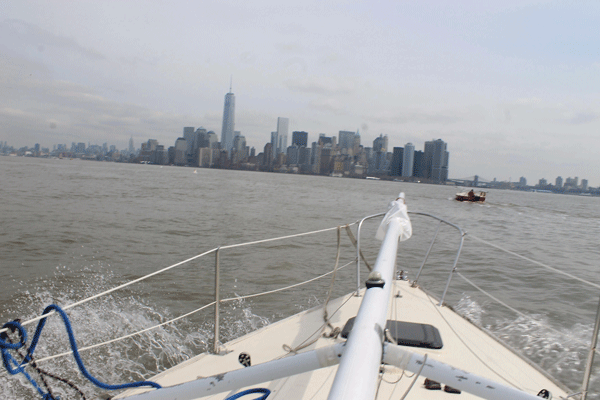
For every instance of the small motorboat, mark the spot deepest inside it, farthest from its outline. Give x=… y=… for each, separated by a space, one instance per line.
x=471 y=196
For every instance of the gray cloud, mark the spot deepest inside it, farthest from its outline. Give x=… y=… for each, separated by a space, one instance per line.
x=131 y=71
x=18 y=71
x=328 y=105
x=290 y=48
x=65 y=111
x=414 y=117
x=44 y=40
x=247 y=57
x=323 y=85
x=553 y=111
x=582 y=118
x=295 y=66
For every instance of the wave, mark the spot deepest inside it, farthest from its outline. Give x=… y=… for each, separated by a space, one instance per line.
x=134 y=359
x=559 y=351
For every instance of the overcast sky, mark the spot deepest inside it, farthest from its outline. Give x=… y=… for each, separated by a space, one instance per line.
x=511 y=86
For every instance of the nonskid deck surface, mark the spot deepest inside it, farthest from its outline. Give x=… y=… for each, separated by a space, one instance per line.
x=465 y=347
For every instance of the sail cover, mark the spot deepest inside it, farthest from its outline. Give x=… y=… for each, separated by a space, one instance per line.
x=396 y=210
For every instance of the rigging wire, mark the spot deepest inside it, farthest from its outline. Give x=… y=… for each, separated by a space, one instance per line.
x=558 y=271
x=415 y=379
x=326 y=318
x=521 y=313
x=201 y=308
x=177 y=265
x=127 y=336
x=437 y=309
x=190 y=313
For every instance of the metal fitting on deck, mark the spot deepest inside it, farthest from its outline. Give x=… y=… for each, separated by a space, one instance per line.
x=375 y=280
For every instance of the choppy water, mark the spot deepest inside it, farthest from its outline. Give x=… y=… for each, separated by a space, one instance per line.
x=70 y=228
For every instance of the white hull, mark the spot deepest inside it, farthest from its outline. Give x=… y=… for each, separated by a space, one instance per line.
x=465 y=347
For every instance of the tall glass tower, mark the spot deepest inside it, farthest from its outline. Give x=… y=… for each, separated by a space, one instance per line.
x=436 y=155
x=408 y=159
x=282 y=134
x=227 y=131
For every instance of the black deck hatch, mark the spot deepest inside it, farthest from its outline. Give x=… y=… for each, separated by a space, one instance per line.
x=407 y=333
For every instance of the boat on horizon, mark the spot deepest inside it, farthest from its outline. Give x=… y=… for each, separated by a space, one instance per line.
x=386 y=338
x=471 y=196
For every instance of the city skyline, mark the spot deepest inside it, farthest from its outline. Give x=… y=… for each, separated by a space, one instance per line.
x=346 y=138
x=509 y=85
x=405 y=162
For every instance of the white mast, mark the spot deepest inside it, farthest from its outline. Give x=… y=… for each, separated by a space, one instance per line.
x=358 y=372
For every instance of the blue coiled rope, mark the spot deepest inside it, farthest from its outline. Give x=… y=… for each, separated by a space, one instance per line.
x=8 y=359
x=266 y=392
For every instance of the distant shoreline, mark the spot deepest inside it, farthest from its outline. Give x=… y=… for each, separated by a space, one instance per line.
x=590 y=192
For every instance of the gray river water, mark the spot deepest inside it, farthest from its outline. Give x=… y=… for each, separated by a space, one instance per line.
x=71 y=228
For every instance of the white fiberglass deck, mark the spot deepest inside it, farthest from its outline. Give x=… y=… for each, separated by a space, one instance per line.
x=464 y=346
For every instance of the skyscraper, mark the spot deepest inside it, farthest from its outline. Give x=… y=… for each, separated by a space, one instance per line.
x=239 y=150
x=299 y=138
x=346 y=140
x=428 y=151
x=239 y=143
x=356 y=143
x=180 y=149
x=397 y=161
x=293 y=153
x=559 y=182
x=584 y=184
x=282 y=134
x=200 y=139
x=419 y=169
x=380 y=144
x=408 y=160
x=189 y=134
x=227 y=131
x=274 y=144
x=437 y=155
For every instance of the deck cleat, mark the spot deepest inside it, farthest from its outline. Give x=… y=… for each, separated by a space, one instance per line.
x=432 y=385
x=449 y=389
